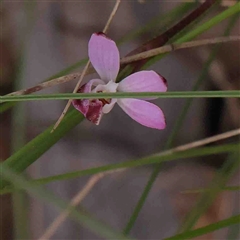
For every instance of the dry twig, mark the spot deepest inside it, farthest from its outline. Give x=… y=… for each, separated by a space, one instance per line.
x=173 y=47
x=204 y=141
x=76 y=200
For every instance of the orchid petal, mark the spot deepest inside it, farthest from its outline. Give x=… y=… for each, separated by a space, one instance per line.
x=145 y=113
x=104 y=56
x=143 y=81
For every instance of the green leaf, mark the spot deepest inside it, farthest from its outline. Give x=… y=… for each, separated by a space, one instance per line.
x=40 y=193
x=210 y=228
x=165 y=156
x=66 y=96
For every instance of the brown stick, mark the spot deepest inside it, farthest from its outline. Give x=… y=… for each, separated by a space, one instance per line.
x=171 y=32
x=173 y=47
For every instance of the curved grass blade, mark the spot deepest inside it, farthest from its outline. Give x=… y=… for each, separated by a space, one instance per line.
x=152 y=159
x=38 y=191
x=210 y=228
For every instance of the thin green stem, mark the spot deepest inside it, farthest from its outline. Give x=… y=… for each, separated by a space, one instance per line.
x=66 y=96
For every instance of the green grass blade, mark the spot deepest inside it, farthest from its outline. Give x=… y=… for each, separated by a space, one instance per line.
x=20 y=160
x=210 y=228
x=66 y=96
x=40 y=193
x=152 y=159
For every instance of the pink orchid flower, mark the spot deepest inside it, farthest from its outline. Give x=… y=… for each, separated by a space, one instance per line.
x=104 y=56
